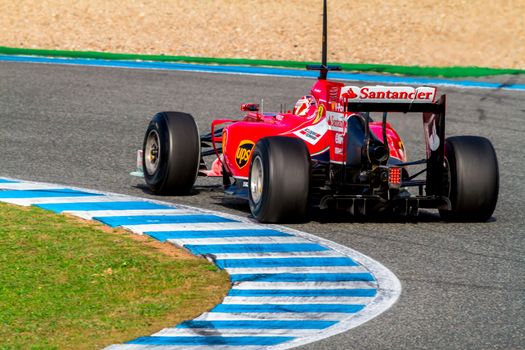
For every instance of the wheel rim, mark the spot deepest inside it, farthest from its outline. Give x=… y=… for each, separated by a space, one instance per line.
x=256 y=180
x=152 y=152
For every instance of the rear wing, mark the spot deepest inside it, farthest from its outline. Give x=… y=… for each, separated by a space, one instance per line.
x=406 y=100
x=389 y=99
x=407 y=107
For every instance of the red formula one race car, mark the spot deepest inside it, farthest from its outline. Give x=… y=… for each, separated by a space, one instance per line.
x=328 y=153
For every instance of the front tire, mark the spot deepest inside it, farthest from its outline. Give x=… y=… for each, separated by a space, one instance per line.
x=279 y=180
x=171 y=152
x=473 y=179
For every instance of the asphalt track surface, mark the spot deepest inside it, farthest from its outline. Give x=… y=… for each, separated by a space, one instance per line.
x=463 y=284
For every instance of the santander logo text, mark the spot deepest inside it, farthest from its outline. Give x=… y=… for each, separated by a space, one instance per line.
x=392 y=94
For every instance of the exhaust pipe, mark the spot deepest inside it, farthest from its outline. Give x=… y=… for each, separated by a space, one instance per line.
x=376 y=152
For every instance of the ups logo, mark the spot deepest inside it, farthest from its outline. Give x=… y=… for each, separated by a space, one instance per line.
x=243 y=153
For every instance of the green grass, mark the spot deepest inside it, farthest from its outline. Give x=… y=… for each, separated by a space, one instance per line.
x=447 y=72
x=67 y=284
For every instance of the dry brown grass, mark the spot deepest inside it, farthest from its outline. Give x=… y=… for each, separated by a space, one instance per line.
x=424 y=32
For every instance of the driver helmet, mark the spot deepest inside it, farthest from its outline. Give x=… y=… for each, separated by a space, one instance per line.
x=305 y=106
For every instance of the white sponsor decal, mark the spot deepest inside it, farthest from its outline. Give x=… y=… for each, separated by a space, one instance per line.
x=339 y=138
x=313 y=133
x=336 y=121
x=433 y=138
x=333 y=93
x=399 y=94
x=338 y=150
x=339 y=107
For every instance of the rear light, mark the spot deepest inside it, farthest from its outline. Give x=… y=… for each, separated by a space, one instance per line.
x=394 y=177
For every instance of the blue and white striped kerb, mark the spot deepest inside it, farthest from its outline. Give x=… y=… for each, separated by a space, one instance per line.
x=288 y=287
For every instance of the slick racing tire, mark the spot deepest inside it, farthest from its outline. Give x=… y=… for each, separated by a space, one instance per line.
x=473 y=179
x=171 y=152
x=279 y=180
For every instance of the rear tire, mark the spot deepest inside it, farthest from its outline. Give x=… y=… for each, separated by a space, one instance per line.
x=473 y=179
x=171 y=152
x=279 y=180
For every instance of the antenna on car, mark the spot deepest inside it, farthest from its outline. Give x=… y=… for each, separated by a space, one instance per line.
x=324 y=67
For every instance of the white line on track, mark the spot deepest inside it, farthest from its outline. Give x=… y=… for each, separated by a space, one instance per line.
x=305 y=285
x=204 y=226
x=297 y=269
x=240 y=240
x=235 y=332
x=89 y=214
x=182 y=347
x=314 y=254
x=28 y=186
x=297 y=300
x=77 y=199
x=283 y=316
